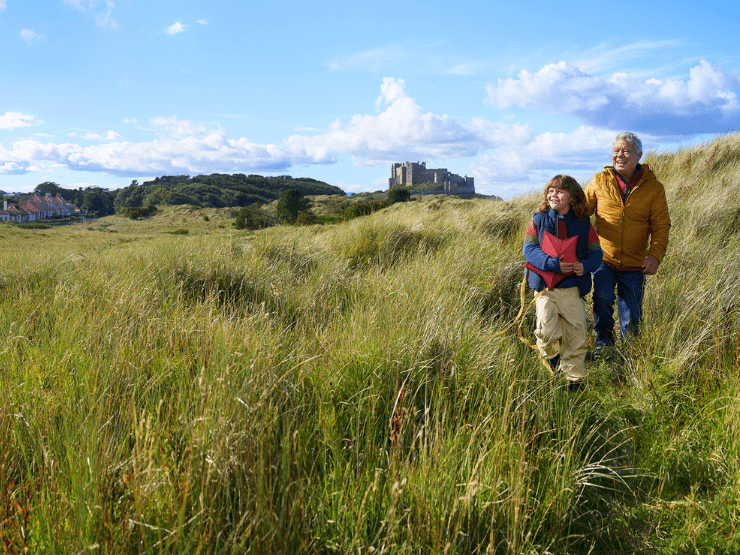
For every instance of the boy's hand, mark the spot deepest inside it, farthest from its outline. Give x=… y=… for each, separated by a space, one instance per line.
x=565 y=267
x=578 y=268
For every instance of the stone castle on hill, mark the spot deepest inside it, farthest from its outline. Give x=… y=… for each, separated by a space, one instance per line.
x=412 y=173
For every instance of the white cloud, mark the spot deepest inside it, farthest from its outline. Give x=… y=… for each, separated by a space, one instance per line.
x=605 y=57
x=129 y=120
x=529 y=161
x=2 y=5
x=13 y=168
x=210 y=154
x=109 y=136
x=178 y=128
x=176 y=28
x=14 y=120
x=104 y=18
x=31 y=36
x=375 y=59
x=706 y=101
x=403 y=130
x=203 y=22
x=102 y=12
x=467 y=68
x=81 y=5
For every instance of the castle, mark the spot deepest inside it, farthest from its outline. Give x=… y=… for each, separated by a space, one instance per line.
x=411 y=173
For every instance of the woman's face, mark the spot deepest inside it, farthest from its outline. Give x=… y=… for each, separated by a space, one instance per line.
x=624 y=158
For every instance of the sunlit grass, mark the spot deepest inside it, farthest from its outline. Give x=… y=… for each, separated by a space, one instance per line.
x=342 y=389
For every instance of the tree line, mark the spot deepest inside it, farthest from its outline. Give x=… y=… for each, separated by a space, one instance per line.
x=215 y=191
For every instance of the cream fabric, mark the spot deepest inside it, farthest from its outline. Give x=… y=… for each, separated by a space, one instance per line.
x=561 y=317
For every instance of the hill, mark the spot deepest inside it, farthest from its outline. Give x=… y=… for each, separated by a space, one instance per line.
x=342 y=388
x=217 y=190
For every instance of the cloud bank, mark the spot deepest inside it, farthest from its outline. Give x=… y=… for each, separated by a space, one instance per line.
x=506 y=155
x=403 y=129
x=706 y=102
x=399 y=130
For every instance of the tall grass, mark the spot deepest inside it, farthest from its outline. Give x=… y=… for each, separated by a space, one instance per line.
x=343 y=389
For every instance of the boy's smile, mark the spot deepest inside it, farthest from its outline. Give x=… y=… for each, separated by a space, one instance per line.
x=559 y=200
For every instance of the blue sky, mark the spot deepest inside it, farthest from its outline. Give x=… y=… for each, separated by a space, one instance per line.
x=101 y=92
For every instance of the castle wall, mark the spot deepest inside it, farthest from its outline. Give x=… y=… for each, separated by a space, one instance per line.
x=411 y=173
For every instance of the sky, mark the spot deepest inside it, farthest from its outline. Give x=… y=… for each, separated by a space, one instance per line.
x=104 y=92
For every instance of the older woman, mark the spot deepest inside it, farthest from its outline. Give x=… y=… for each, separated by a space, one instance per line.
x=632 y=221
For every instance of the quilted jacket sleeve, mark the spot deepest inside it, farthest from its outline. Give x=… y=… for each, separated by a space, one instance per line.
x=660 y=225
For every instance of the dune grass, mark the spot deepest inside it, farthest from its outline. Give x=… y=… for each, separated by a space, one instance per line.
x=342 y=388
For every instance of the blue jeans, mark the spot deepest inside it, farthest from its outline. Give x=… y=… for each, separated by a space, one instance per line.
x=630 y=288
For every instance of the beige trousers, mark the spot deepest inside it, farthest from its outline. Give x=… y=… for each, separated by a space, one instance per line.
x=561 y=317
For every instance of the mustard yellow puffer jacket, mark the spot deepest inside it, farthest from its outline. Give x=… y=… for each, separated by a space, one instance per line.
x=624 y=228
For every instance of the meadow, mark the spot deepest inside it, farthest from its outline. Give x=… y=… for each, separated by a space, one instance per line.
x=343 y=388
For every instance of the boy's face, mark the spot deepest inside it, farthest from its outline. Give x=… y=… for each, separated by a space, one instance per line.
x=559 y=199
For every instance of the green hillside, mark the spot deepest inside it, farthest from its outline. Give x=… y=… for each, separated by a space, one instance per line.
x=344 y=388
x=217 y=190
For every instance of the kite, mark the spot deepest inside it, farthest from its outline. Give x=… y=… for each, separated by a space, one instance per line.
x=555 y=247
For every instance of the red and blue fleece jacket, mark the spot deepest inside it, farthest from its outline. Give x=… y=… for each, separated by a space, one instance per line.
x=588 y=249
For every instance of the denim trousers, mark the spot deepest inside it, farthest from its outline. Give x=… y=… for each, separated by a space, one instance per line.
x=630 y=287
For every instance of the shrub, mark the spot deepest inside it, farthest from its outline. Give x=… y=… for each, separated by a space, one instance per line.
x=398 y=194
x=138 y=212
x=363 y=208
x=251 y=217
x=306 y=218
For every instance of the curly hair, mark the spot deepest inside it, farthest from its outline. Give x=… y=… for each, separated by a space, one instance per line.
x=577 y=196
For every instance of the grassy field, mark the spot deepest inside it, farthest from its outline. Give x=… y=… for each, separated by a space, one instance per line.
x=342 y=389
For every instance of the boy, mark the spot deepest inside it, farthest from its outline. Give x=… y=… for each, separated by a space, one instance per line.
x=561 y=314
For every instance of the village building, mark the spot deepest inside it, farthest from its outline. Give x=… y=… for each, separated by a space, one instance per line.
x=37 y=208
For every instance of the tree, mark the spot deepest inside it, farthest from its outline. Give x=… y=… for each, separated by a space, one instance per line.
x=94 y=203
x=48 y=187
x=290 y=204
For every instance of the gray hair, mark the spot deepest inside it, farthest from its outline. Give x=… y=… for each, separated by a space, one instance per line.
x=633 y=140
